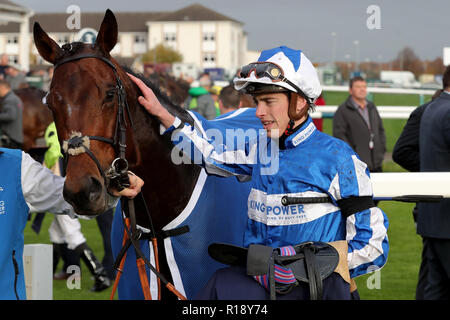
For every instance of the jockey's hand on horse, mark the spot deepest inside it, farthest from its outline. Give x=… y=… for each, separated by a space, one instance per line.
x=133 y=190
x=152 y=104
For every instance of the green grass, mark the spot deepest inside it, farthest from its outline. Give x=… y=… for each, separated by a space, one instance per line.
x=93 y=237
x=380 y=99
x=398 y=278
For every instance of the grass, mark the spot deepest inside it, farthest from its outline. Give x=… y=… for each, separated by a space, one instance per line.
x=397 y=279
x=60 y=288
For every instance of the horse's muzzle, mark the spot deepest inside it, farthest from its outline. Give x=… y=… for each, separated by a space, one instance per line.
x=87 y=196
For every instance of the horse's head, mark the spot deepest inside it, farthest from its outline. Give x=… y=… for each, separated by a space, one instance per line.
x=91 y=112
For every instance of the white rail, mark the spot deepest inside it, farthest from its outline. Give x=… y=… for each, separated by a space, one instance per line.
x=393 y=184
x=386 y=112
x=382 y=90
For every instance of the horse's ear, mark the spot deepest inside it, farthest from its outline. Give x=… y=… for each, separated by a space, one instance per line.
x=107 y=36
x=47 y=48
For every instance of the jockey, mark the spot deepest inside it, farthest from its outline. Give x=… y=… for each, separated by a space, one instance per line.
x=310 y=164
x=25 y=186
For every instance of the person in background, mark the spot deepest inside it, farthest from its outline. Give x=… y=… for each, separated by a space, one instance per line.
x=406 y=153
x=358 y=123
x=215 y=92
x=4 y=61
x=200 y=99
x=318 y=122
x=247 y=101
x=15 y=77
x=433 y=221
x=11 y=113
x=229 y=99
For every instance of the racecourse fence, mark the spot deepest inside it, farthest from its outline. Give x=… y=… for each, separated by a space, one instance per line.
x=386 y=112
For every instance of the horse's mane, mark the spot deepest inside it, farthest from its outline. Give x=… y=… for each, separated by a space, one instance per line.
x=163 y=98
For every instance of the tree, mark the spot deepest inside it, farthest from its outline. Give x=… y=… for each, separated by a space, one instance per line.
x=162 y=54
x=408 y=60
x=435 y=66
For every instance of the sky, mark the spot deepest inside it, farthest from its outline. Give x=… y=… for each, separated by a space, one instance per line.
x=373 y=30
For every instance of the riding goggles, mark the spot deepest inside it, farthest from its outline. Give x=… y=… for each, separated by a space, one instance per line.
x=270 y=70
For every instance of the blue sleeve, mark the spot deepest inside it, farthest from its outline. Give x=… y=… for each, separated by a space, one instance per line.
x=366 y=231
x=368 y=245
x=212 y=149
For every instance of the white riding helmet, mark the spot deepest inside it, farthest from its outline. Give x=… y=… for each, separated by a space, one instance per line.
x=280 y=69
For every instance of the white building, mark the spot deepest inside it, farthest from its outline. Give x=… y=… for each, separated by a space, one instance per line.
x=204 y=37
x=16 y=44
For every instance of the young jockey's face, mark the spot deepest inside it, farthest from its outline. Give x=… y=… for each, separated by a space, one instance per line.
x=272 y=110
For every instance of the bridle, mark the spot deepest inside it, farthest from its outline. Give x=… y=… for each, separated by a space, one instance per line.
x=117 y=176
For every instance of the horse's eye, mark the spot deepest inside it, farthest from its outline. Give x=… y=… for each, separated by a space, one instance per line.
x=109 y=95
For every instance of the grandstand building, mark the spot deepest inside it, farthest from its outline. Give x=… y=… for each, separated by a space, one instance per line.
x=203 y=36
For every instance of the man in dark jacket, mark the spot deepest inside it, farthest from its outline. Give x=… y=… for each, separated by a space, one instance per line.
x=358 y=123
x=11 y=130
x=433 y=219
x=406 y=153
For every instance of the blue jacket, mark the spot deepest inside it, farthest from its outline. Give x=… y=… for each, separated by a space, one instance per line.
x=13 y=218
x=313 y=164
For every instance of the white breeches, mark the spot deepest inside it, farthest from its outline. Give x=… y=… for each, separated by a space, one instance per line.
x=66 y=230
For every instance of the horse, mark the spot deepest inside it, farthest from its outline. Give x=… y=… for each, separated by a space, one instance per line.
x=176 y=89
x=36 y=116
x=92 y=98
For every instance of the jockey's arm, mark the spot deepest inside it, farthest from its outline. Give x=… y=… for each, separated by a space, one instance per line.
x=215 y=160
x=42 y=189
x=366 y=225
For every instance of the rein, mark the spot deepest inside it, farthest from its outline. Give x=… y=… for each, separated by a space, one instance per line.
x=117 y=175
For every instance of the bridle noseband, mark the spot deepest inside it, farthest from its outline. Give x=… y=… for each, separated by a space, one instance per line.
x=116 y=175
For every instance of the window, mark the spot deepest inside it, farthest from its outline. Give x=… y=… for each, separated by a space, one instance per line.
x=209 y=36
x=170 y=36
x=209 y=57
x=13 y=39
x=62 y=39
x=139 y=38
x=13 y=59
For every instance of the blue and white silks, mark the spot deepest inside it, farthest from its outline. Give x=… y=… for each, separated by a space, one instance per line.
x=313 y=164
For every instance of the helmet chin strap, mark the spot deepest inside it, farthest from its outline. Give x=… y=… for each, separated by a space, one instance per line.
x=289 y=128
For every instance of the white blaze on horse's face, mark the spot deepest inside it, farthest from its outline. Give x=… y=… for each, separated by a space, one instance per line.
x=69 y=110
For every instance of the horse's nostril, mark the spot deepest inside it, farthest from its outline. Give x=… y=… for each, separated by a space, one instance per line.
x=94 y=190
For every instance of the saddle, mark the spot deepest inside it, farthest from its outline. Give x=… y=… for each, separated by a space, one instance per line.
x=311 y=263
